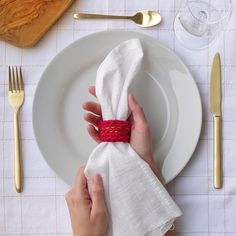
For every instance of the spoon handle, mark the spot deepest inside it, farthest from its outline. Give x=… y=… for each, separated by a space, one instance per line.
x=98 y=16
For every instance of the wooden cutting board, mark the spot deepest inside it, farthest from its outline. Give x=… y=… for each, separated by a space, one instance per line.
x=24 y=22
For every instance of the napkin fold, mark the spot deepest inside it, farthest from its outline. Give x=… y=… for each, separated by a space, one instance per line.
x=138 y=203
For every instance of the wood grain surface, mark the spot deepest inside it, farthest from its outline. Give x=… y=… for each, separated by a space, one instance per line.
x=24 y=22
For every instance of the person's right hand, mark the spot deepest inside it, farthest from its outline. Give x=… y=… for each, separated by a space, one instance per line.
x=140 y=139
x=89 y=216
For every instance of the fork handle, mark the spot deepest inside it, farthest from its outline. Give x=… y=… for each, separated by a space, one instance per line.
x=18 y=161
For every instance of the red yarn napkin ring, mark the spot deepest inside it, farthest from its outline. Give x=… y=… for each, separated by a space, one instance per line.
x=114 y=130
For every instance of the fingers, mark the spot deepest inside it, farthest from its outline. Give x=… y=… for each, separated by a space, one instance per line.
x=137 y=111
x=93 y=107
x=93 y=133
x=98 y=195
x=91 y=118
x=80 y=184
x=80 y=179
x=79 y=192
x=92 y=90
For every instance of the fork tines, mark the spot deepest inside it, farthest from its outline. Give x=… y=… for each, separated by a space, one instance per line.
x=15 y=79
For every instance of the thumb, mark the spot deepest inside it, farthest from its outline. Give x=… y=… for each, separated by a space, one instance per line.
x=98 y=195
x=136 y=109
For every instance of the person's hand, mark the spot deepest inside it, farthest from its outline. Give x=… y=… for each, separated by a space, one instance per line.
x=171 y=233
x=89 y=217
x=140 y=138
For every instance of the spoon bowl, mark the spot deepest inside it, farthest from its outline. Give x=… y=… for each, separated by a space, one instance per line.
x=146 y=18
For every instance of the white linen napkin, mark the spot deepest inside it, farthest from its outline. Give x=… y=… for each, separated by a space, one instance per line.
x=138 y=203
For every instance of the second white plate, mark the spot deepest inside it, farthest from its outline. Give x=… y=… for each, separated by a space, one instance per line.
x=164 y=87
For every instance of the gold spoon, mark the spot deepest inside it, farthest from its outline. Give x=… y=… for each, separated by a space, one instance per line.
x=142 y=18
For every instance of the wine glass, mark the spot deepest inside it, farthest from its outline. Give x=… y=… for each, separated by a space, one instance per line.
x=199 y=22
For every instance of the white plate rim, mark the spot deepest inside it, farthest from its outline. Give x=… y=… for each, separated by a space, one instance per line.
x=110 y=32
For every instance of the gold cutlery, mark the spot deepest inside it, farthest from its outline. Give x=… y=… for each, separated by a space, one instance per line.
x=16 y=99
x=143 y=18
x=215 y=106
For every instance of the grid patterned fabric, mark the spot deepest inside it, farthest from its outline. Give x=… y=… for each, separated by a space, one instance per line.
x=41 y=208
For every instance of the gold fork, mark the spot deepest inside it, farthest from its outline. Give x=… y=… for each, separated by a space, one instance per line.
x=16 y=99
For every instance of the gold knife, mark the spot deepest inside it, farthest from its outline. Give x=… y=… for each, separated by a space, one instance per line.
x=215 y=106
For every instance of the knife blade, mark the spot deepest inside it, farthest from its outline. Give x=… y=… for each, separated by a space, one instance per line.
x=215 y=107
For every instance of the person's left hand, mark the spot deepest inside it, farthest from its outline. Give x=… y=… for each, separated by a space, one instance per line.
x=140 y=137
x=89 y=217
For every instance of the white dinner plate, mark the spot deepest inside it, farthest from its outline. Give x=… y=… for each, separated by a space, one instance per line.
x=164 y=87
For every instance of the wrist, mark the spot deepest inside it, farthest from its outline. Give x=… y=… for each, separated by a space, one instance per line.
x=171 y=233
x=153 y=165
x=148 y=157
x=89 y=234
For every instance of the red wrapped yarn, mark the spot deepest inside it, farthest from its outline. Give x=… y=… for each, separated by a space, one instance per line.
x=114 y=130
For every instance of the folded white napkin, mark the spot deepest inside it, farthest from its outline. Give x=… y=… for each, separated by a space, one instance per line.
x=138 y=203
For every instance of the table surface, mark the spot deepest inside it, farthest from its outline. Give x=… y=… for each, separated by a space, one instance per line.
x=41 y=208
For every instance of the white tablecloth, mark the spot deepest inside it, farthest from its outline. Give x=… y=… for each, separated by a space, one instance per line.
x=41 y=208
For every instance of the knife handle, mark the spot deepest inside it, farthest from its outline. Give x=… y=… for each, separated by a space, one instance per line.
x=217 y=152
